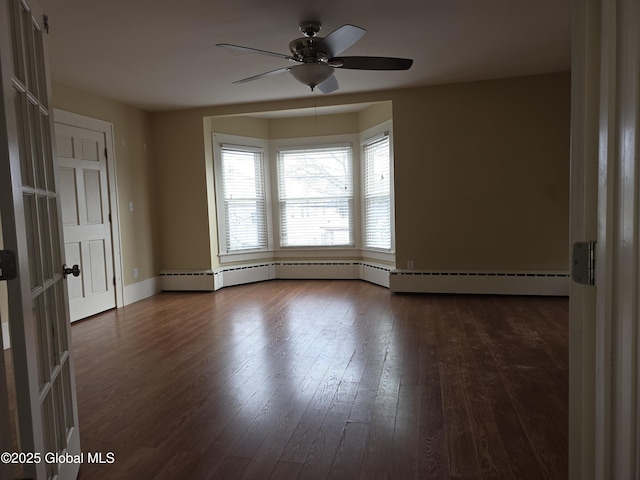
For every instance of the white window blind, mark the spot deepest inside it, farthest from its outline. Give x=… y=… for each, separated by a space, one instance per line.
x=377 y=192
x=244 y=198
x=315 y=188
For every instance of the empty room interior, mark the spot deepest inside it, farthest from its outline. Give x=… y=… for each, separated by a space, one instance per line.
x=367 y=283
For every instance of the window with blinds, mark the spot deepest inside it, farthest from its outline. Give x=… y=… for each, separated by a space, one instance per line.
x=244 y=198
x=377 y=192
x=315 y=188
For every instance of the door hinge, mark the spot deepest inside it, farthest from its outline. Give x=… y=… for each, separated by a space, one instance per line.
x=114 y=281
x=46 y=23
x=8 y=265
x=106 y=155
x=583 y=269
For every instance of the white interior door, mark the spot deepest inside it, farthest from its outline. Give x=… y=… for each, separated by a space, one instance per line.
x=29 y=207
x=84 y=196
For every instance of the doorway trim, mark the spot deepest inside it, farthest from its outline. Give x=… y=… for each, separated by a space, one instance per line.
x=604 y=398
x=82 y=121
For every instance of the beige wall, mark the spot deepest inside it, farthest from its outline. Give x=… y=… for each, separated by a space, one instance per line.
x=375 y=115
x=184 y=234
x=315 y=126
x=135 y=176
x=302 y=126
x=482 y=174
x=240 y=125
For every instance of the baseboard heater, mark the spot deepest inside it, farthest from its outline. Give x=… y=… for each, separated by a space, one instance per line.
x=317 y=270
x=400 y=281
x=207 y=280
x=498 y=283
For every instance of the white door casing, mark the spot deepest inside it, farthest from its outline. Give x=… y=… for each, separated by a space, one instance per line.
x=30 y=211
x=604 y=334
x=84 y=194
x=585 y=117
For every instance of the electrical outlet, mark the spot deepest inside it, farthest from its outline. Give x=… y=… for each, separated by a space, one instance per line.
x=135 y=273
x=131 y=206
x=410 y=264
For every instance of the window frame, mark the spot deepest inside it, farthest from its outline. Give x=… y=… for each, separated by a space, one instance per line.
x=366 y=136
x=350 y=199
x=319 y=141
x=250 y=144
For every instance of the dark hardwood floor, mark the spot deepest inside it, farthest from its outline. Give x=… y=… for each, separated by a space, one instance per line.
x=325 y=380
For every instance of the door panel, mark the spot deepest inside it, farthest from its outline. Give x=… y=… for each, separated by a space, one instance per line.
x=93 y=197
x=82 y=168
x=69 y=205
x=98 y=268
x=30 y=211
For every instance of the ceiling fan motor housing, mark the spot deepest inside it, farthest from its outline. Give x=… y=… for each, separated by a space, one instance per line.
x=305 y=49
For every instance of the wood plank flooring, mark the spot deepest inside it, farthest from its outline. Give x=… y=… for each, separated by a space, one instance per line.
x=325 y=380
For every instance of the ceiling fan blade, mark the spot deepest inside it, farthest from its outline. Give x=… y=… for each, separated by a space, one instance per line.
x=262 y=75
x=255 y=50
x=371 y=63
x=329 y=85
x=340 y=39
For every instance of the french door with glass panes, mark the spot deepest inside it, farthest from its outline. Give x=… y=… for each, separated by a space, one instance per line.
x=29 y=207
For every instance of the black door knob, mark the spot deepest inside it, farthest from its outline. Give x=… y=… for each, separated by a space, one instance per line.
x=75 y=271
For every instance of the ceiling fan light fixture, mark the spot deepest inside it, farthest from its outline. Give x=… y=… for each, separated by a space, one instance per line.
x=312 y=74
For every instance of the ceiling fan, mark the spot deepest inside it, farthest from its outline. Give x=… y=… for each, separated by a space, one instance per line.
x=318 y=57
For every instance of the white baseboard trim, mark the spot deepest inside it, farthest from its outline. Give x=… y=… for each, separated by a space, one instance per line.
x=6 y=341
x=141 y=290
x=497 y=283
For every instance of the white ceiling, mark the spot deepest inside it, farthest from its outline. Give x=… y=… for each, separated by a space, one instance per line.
x=161 y=54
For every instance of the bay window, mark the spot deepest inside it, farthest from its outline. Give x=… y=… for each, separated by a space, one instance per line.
x=296 y=196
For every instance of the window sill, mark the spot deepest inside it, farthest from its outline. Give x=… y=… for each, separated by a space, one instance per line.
x=245 y=257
